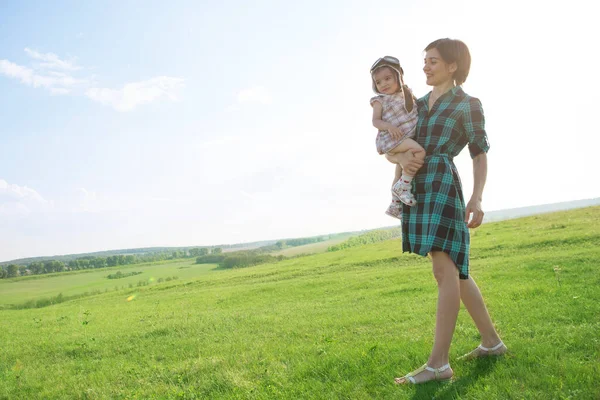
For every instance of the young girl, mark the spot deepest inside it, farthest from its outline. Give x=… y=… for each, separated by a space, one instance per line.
x=395 y=115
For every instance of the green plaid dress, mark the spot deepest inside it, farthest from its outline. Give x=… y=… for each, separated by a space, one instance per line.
x=436 y=223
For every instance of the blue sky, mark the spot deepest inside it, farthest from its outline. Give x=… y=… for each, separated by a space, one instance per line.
x=134 y=124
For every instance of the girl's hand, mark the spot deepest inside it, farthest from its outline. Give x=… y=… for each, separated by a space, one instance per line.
x=395 y=132
x=474 y=206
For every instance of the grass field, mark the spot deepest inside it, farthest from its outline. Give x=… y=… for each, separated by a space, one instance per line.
x=23 y=289
x=335 y=325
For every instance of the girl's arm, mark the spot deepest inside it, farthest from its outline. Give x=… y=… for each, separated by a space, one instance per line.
x=479 y=177
x=377 y=121
x=381 y=124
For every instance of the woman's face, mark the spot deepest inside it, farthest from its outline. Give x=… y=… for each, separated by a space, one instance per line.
x=437 y=71
x=385 y=81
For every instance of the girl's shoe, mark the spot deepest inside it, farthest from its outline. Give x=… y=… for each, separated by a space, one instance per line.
x=403 y=192
x=394 y=209
x=409 y=378
x=481 y=351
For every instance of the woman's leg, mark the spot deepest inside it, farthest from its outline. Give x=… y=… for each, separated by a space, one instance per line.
x=473 y=301
x=446 y=275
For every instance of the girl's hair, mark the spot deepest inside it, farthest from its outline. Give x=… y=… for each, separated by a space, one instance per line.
x=453 y=50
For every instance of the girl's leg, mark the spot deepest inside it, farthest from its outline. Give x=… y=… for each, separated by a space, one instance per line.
x=406 y=145
x=395 y=207
x=402 y=187
x=473 y=301
x=397 y=174
x=446 y=275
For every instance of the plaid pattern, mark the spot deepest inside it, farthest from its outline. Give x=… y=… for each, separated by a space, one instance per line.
x=394 y=112
x=436 y=223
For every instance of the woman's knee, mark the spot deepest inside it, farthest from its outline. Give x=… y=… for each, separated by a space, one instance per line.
x=443 y=266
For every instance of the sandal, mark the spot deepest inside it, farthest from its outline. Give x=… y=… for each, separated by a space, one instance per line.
x=481 y=351
x=403 y=192
x=395 y=209
x=409 y=378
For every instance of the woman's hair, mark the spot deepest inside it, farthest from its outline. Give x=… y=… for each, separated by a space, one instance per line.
x=453 y=50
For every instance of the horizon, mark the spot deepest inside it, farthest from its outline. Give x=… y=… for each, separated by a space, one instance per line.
x=233 y=245
x=127 y=127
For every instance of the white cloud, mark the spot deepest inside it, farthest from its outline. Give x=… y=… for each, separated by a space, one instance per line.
x=56 y=76
x=56 y=82
x=136 y=93
x=255 y=94
x=18 y=200
x=52 y=61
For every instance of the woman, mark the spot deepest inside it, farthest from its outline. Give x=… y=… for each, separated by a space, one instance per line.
x=449 y=119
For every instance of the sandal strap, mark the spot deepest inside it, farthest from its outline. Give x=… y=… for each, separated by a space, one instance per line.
x=437 y=371
x=410 y=375
x=496 y=347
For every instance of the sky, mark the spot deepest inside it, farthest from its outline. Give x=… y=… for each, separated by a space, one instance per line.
x=195 y=123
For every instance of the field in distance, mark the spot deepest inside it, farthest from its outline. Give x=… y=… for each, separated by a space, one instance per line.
x=314 y=248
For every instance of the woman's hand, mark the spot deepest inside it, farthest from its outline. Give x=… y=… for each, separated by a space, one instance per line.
x=410 y=164
x=474 y=207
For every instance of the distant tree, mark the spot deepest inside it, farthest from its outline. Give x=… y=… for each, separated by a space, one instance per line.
x=217 y=250
x=36 y=268
x=2 y=273
x=203 y=251
x=12 y=270
x=58 y=266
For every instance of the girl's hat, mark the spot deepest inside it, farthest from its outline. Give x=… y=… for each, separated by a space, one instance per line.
x=387 y=61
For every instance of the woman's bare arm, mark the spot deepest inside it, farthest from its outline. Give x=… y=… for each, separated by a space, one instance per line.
x=479 y=178
x=410 y=164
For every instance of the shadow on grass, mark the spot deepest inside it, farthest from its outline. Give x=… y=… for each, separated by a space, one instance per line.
x=460 y=386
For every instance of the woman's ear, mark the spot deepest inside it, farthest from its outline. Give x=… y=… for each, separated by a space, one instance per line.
x=452 y=67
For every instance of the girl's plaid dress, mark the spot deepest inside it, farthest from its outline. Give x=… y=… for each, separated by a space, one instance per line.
x=437 y=222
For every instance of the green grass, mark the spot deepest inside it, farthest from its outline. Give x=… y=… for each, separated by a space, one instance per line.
x=327 y=326
x=20 y=290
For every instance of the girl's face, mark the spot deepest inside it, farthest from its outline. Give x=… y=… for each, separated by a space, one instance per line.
x=437 y=71
x=385 y=80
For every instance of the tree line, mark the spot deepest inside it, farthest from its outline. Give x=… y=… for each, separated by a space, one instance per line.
x=239 y=259
x=90 y=262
